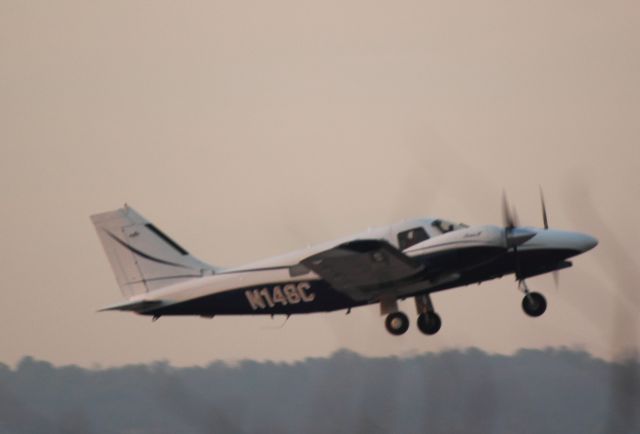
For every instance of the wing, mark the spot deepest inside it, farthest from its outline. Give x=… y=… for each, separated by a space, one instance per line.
x=363 y=268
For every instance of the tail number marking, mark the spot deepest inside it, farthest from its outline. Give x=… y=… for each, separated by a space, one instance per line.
x=290 y=293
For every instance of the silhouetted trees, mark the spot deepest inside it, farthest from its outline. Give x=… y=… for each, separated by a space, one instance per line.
x=467 y=392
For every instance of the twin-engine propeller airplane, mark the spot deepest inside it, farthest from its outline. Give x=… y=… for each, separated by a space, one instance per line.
x=410 y=259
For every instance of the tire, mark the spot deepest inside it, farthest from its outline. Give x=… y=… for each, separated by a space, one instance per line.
x=397 y=323
x=534 y=304
x=429 y=323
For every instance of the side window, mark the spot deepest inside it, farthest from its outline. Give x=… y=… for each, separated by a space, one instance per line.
x=411 y=237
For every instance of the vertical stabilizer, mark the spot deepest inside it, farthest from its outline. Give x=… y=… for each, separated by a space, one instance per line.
x=142 y=257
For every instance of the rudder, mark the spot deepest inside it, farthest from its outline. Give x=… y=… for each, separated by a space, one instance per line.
x=142 y=257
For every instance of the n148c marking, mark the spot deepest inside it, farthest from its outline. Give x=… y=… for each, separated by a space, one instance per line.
x=291 y=293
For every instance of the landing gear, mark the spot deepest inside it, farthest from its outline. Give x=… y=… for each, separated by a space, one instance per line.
x=397 y=323
x=534 y=304
x=429 y=323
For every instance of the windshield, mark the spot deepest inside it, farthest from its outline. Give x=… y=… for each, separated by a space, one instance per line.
x=445 y=226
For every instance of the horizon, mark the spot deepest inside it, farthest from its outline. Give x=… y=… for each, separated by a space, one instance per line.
x=622 y=359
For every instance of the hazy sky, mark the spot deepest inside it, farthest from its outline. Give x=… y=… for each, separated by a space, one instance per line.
x=247 y=129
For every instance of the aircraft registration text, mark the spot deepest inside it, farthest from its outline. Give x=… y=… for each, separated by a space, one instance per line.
x=291 y=293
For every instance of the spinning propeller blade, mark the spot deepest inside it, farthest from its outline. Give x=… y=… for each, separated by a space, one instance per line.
x=545 y=220
x=509 y=219
x=513 y=235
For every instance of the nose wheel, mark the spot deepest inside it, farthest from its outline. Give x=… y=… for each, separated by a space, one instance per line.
x=397 y=323
x=533 y=303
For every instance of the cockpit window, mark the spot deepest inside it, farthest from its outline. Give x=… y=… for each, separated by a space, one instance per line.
x=445 y=226
x=411 y=237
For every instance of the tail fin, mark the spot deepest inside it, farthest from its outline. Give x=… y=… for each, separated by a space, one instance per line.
x=141 y=256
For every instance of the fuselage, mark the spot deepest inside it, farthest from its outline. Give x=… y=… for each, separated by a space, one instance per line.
x=452 y=255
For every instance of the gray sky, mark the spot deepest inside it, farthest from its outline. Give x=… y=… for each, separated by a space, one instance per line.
x=247 y=129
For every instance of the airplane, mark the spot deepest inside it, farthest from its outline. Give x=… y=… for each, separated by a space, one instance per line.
x=413 y=258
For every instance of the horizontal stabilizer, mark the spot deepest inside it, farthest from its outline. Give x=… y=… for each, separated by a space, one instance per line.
x=134 y=306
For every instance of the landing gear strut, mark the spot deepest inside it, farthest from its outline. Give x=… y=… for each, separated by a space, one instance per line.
x=533 y=303
x=429 y=321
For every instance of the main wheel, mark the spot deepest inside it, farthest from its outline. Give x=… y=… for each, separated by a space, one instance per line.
x=396 y=323
x=429 y=323
x=534 y=304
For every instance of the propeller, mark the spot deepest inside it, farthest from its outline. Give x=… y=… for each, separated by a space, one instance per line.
x=509 y=216
x=513 y=234
x=545 y=221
